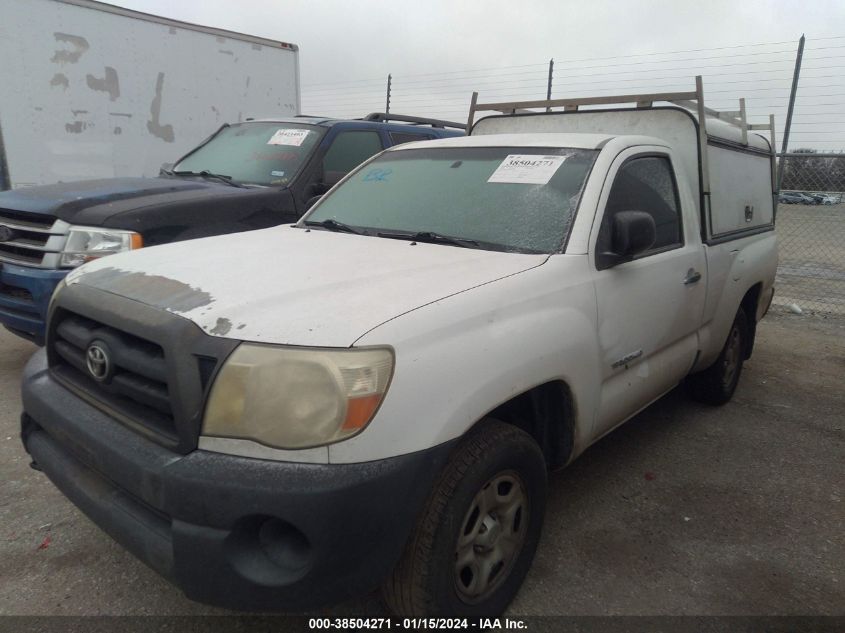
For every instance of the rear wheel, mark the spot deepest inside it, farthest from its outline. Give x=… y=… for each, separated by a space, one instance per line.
x=716 y=384
x=476 y=538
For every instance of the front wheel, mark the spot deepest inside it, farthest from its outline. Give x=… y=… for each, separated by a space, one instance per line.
x=716 y=384
x=476 y=538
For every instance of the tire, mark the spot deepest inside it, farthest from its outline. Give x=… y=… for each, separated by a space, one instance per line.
x=493 y=485
x=716 y=384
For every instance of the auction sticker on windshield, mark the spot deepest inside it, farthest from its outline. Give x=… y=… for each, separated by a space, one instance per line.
x=529 y=169
x=288 y=136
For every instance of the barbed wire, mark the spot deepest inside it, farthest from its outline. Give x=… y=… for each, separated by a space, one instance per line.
x=761 y=72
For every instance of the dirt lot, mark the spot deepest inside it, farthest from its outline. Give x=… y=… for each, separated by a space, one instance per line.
x=685 y=510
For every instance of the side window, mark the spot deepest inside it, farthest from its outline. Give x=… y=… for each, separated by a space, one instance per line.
x=397 y=138
x=645 y=184
x=348 y=150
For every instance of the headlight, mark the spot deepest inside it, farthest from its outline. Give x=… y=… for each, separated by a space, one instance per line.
x=295 y=397
x=84 y=244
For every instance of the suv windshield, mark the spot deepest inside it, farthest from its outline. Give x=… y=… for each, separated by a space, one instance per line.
x=258 y=153
x=519 y=199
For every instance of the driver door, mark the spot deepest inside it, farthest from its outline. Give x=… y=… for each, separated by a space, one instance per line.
x=649 y=308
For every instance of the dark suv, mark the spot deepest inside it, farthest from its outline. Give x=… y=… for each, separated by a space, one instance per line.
x=249 y=175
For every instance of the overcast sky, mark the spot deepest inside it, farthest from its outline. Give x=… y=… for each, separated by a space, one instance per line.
x=344 y=43
x=367 y=38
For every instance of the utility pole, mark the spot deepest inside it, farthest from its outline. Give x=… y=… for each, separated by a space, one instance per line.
x=795 y=74
x=549 y=84
x=387 y=102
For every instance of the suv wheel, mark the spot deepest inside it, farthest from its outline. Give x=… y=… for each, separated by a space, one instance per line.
x=476 y=538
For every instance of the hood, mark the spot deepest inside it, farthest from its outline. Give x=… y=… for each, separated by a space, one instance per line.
x=291 y=286
x=94 y=202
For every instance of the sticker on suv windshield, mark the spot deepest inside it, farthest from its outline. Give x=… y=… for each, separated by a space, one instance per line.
x=288 y=136
x=377 y=175
x=527 y=169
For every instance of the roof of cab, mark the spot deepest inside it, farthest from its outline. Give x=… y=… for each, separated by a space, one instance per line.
x=375 y=125
x=308 y=120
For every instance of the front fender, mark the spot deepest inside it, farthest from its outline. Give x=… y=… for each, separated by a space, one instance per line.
x=459 y=358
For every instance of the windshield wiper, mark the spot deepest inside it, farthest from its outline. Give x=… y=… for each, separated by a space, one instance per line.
x=431 y=238
x=331 y=224
x=205 y=174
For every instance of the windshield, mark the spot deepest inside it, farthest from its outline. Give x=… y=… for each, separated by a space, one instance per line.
x=519 y=199
x=256 y=152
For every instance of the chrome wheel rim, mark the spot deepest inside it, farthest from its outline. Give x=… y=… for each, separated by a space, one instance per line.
x=732 y=354
x=491 y=537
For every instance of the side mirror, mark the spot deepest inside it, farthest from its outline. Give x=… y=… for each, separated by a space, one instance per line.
x=632 y=233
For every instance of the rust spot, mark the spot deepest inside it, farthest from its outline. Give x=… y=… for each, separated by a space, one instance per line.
x=60 y=79
x=164 y=132
x=64 y=56
x=221 y=328
x=109 y=83
x=76 y=127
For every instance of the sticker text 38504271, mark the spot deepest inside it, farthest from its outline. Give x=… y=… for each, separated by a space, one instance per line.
x=528 y=169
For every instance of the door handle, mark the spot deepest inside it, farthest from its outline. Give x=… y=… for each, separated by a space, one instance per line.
x=693 y=276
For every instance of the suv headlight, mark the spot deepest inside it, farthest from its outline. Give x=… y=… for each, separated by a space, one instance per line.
x=297 y=397
x=84 y=244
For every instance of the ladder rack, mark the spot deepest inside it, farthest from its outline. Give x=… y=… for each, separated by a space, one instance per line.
x=689 y=100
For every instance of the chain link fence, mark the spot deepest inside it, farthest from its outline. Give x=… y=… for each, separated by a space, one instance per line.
x=811 y=232
x=810 y=226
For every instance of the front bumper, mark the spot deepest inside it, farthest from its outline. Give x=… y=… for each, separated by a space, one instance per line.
x=24 y=298
x=230 y=531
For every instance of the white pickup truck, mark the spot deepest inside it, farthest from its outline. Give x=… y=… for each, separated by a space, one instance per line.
x=372 y=397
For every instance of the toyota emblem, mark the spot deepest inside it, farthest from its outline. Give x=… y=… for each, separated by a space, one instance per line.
x=98 y=361
x=6 y=234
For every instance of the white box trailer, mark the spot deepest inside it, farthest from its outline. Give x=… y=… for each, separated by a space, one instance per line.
x=735 y=177
x=91 y=90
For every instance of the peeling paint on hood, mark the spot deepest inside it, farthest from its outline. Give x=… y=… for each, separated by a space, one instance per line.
x=291 y=286
x=154 y=290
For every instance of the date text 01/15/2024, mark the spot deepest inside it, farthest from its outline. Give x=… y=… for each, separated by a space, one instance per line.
x=411 y=624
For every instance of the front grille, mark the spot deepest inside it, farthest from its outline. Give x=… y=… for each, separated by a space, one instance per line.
x=36 y=239
x=162 y=364
x=136 y=386
x=31 y=220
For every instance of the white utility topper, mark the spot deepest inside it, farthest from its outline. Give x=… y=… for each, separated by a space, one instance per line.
x=374 y=395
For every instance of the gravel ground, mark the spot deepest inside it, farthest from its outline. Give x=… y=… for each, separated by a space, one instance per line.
x=684 y=510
